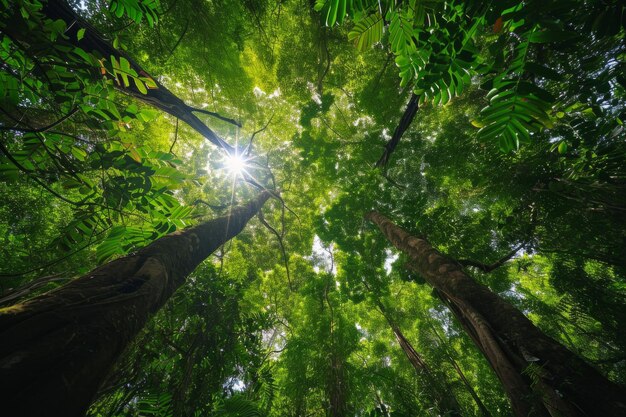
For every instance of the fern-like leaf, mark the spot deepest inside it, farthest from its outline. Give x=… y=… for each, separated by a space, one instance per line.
x=401 y=32
x=516 y=107
x=238 y=406
x=513 y=112
x=367 y=31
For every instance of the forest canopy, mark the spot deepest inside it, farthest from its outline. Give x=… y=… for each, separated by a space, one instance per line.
x=313 y=208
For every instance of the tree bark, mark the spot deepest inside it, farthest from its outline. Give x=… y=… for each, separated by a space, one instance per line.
x=540 y=376
x=58 y=347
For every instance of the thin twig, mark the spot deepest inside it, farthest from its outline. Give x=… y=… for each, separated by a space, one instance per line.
x=280 y=243
x=248 y=149
x=175 y=136
x=42 y=129
x=212 y=206
x=56 y=261
x=30 y=173
x=393 y=182
x=12 y=296
x=182 y=35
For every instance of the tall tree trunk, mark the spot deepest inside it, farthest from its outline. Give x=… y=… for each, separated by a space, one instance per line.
x=57 y=348
x=539 y=374
x=440 y=391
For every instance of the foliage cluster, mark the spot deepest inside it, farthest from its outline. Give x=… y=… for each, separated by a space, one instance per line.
x=517 y=152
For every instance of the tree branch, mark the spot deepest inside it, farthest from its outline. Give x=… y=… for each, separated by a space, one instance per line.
x=58 y=260
x=248 y=149
x=31 y=175
x=281 y=244
x=216 y=115
x=42 y=129
x=179 y=40
x=212 y=206
x=490 y=267
x=175 y=136
x=405 y=122
x=13 y=295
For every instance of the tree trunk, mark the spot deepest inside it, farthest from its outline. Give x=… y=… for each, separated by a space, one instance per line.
x=439 y=389
x=57 y=348
x=539 y=375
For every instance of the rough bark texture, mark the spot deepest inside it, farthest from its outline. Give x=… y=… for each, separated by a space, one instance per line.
x=93 y=42
x=57 y=348
x=562 y=383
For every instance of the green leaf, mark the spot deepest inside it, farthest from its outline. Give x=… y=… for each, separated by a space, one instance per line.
x=149 y=82
x=79 y=153
x=331 y=16
x=146 y=115
x=124 y=64
x=119 y=10
x=401 y=33
x=367 y=32
x=84 y=55
x=547 y=36
x=80 y=34
x=140 y=86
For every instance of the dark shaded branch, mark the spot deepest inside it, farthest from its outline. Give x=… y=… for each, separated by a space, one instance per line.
x=216 y=115
x=393 y=182
x=382 y=72
x=490 y=267
x=84 y=202
x=405 y=122
x=322 y=75
x=613 y=360
x=213 y=206
x=58 y=260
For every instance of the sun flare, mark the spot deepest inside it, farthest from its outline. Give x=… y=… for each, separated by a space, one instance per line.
x=235 y=164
